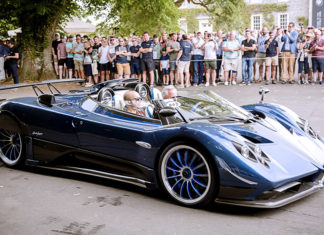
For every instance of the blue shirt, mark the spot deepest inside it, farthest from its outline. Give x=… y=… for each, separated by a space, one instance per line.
x=186 y=47
x=261 y=43
x=70 y=45
x=135 y=49
x=79 y=57
x=4 y=51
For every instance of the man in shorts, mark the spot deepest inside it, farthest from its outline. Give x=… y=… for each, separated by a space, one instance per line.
x=122 y=52
x=272 y=52
x=147 y=63
x=78 y=58
x=210 y=47
x=173 y=48
x=183 y=60
x=61 y=56
x=231 y=49
x=69 y=60
x=261 y=51
x=103 y=62
x=317 y=50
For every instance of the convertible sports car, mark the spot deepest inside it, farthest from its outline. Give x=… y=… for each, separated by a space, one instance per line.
x=197 y=149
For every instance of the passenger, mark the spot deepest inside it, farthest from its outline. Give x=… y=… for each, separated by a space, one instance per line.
x=133 y=103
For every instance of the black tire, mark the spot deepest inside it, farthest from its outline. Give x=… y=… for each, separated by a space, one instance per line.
x=187 y=174
x=12 y=149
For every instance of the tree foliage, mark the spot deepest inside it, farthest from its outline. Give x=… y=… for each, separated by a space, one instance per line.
x=138 y=16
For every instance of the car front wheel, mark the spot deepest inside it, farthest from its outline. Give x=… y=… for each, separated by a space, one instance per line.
x=187 y=174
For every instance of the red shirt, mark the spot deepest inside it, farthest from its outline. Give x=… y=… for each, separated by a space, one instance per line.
x=317 y=53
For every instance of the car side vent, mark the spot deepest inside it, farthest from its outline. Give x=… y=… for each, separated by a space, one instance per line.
x=258 y=114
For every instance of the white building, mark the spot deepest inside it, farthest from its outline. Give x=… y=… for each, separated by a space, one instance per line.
x=311 y=10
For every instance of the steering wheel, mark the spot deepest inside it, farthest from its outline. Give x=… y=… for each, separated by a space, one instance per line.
x=106 y=96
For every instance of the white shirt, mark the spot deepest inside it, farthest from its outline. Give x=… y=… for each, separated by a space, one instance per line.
x=104 y=54
x=197 y=51
x=210 y=51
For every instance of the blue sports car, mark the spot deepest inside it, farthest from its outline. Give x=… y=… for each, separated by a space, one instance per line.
x=197 y=149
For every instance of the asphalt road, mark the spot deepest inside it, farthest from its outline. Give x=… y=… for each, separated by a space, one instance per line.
x=34 y=201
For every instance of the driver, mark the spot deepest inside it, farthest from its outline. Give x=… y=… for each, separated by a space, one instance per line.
x=170 y=93
x=133 y=103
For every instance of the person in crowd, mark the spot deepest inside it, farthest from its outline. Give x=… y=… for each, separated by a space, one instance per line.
x=3 y=52
x=197 y=59
x=183 y=60
x=304 y=48
x=122 y=51
x=231 y=50
x=157 y=49
x=133 y=103
x=322 y=33
x=147 y=63
x=112 y=68
x=210 y=47
x=219 y=54
x=173 y=48
x=95 y=45
x=55 y=43
x=179 y=37
x=280 y=44
x=135 y=63
x=12 y=60
x=248 y=48
x=164 y=66
x=88 y=63
x=70 y=55
x=62 y=57
x=78 y=58
x=289 y=50
x=261 y=51
x=317 y=50
x=169 y=93
x=272 y=52
x=103 y=62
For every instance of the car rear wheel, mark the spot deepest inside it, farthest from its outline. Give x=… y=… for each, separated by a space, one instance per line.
x=187 y=174
x=11 y=147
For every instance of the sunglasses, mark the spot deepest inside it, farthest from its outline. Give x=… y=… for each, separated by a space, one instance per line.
x=137 y=99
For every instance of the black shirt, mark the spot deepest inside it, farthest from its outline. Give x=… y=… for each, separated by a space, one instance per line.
x=146 y=45
x=135 y=49
x=55 y=44
x=272 y=48
x=250 y=43
x=13 y=52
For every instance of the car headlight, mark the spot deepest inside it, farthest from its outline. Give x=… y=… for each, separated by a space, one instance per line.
x=253 y=153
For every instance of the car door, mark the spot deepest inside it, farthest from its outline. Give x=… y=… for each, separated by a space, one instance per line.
x=117 y=133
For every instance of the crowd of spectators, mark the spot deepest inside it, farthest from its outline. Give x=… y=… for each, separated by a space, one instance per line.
x=199 y=59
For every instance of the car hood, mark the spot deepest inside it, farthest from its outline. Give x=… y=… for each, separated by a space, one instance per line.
x=280 y=141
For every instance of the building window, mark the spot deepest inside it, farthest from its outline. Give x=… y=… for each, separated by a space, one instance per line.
x=283 y=21
x=256 y=22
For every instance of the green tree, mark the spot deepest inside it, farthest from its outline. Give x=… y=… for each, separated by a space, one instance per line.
x=138 y=16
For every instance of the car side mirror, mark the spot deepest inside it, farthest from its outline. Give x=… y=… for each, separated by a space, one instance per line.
x=167 y=112
x=46 y=99
x=262 y=92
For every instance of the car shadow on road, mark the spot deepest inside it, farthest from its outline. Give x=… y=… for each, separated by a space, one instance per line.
x=156 y=194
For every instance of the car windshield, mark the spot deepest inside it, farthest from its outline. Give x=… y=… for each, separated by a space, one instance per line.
x=209 y=105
